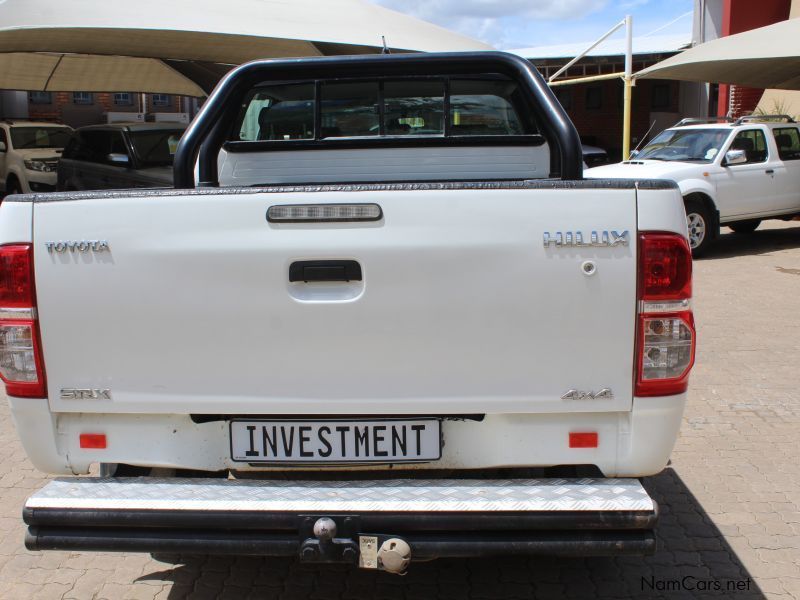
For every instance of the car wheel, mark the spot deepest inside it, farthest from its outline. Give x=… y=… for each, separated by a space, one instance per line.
x=699 y=222
x=745 y=226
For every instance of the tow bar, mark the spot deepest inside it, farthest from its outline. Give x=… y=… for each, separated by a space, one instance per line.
x=380 y=552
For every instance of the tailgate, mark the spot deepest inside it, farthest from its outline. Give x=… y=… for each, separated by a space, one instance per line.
x=460 y=309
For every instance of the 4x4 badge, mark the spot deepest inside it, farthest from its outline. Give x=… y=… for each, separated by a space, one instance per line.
x=604 y=394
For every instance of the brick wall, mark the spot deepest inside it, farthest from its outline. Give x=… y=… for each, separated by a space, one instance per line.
x=63 y=108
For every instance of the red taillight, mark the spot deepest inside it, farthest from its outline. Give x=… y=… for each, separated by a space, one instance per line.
x=16 y=276
x=21 y=364
x=665 y=267
x=666 y=335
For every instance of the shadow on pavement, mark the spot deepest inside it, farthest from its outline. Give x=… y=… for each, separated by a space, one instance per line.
x=761 y=241
x=693 y=560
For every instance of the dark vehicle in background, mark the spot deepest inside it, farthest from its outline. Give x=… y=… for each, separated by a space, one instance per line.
x=119 y=155
x=593 y=156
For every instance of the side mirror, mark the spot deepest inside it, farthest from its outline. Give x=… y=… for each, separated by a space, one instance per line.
x=735 y=157
x=118 y=159
x=3 y=147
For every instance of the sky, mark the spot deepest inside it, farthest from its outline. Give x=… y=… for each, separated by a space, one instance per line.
x=509 y=24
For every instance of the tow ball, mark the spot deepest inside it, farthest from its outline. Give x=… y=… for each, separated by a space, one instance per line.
x=370 y=551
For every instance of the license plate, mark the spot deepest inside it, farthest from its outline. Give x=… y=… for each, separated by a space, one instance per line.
x=381 y=441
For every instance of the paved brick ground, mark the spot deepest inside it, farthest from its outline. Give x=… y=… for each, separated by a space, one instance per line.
x=730 y=500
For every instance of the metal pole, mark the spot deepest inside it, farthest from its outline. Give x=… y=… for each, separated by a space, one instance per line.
x=589 y=78
x=589 y=49
x=628 y=81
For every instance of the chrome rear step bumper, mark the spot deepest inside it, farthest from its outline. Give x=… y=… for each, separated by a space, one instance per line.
x=437 y=518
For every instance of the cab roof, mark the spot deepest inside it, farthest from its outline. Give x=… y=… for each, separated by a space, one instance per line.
x=155 y=126
x=29 y=123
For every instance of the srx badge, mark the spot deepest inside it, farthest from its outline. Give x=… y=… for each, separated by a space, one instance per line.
x=85 y=394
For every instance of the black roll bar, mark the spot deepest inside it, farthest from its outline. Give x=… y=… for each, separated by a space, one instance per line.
x=210 y=128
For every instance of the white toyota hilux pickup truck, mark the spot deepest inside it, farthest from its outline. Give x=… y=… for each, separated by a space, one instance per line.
x=381 y=318
x=736 y=173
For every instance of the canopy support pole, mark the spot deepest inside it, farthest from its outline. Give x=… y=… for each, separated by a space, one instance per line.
x=589 y=49
x=627 y=78
x=587 y=79
x=628 y=81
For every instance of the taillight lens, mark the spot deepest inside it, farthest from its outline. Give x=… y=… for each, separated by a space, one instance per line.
x=665 y=267
x=16 y=277
x=21 y=364
x=666 y=335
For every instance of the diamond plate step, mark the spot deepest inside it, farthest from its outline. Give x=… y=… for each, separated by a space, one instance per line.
x=424 y=495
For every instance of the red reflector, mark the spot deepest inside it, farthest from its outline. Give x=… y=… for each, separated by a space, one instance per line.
x=95 y=441
x=665 y=267
x=583 y=440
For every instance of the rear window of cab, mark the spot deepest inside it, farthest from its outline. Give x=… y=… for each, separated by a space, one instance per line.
x=433 y=107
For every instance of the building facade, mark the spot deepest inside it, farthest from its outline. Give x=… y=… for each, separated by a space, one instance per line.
x=596 y=107
x=88 y=108
x=718 y=18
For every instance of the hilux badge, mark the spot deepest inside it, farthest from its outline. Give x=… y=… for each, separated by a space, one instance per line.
x=576 y=239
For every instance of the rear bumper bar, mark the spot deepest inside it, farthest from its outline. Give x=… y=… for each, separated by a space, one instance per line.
x=438 y=518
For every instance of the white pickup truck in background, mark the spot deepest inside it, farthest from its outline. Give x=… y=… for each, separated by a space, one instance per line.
x=735 y=173
x=394 y=324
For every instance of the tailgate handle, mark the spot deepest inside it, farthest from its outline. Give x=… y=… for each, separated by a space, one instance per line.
x=325 y=270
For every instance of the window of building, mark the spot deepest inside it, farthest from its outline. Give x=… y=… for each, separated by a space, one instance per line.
x=123 y=99
x=40 y=97
x=162 y=100
x=660 y=98
x=594 y=97
x=788 y=142
x=82 y=98
x=564 y=96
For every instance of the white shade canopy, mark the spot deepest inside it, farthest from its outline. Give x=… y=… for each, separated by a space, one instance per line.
x=113 y=40
x=40 y=71
x=767 y=57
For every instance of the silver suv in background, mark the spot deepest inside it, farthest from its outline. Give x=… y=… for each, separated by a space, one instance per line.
x=29 y=153
x=120 y=155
